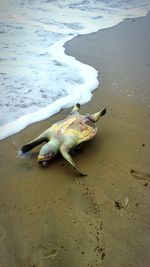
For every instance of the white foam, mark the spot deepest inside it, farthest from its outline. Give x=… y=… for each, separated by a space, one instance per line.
x=82 y=95
x=72 y=80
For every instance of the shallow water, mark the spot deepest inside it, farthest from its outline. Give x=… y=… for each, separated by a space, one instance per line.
x=37 y=79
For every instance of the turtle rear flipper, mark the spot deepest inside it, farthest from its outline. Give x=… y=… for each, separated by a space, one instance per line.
x=64 y=149
x=75 y=109
x=95 y=117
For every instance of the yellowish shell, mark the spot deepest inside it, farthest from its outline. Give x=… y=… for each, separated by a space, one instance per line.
x=75 y=125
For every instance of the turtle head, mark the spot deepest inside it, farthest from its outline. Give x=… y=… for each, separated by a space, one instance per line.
x=47 y=152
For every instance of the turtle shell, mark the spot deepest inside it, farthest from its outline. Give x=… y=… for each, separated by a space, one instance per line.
x=78 y=126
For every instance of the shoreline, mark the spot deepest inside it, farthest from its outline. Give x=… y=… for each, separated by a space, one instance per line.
x=53 y=217
x=55 y=107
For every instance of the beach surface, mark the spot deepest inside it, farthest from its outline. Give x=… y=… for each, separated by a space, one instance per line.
x=53 y=217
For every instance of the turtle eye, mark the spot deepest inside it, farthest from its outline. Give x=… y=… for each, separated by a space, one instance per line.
x=49 y=155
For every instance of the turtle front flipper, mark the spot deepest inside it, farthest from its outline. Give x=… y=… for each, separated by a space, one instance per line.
x=37 y=141
x=64 y=149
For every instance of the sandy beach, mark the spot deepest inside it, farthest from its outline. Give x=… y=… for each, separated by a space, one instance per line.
x=53 y=217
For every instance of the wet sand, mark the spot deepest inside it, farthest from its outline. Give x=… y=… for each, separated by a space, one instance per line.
x=52 y=217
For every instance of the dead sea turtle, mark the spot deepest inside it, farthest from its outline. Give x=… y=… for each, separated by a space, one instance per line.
x=65 y=135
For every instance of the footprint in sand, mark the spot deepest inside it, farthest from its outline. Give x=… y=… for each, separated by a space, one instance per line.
x=2 y=236
x=140 y=175
x=44 y=253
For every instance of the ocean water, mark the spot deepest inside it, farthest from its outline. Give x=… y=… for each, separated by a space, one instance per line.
x=37 y=79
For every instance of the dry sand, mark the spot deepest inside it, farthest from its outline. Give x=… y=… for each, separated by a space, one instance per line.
x=52 y=217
